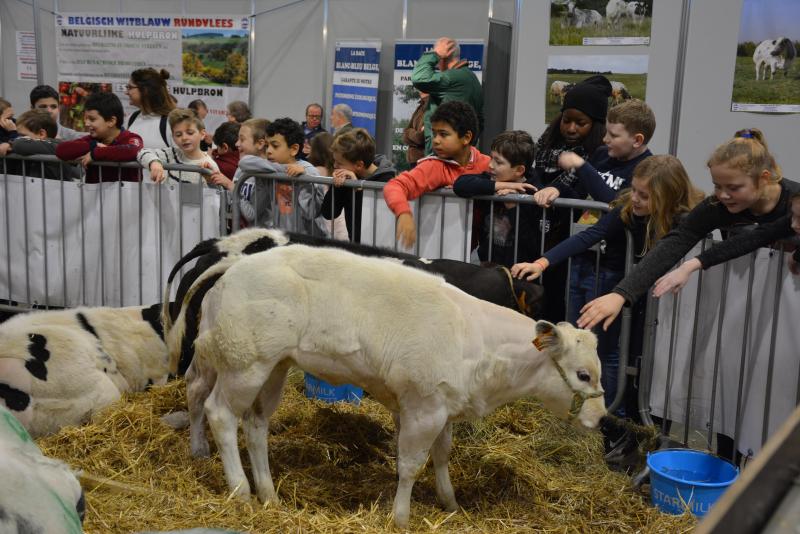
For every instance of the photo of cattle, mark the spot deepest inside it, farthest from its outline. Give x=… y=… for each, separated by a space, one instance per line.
x=627 y=74
x=767 y=74
x=600 y=22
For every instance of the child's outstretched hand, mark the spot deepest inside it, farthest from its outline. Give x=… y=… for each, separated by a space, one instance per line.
x=570 y=160
x=5 y=148
x=340 y=175
x=406 y=230
x=511 y=188
x=295 y=169
x=157 y=173
x=529 y=271
x=546 y=196
x=605 y=308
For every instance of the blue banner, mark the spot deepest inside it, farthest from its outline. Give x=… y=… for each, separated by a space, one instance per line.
x=355 y=80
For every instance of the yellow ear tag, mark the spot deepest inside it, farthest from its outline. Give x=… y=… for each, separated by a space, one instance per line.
x=539 y=342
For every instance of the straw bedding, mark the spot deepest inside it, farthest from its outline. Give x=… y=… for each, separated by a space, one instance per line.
x=518 y=470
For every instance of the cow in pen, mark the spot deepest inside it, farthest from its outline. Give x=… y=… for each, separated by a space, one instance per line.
x=493 y=284
x=426 y=350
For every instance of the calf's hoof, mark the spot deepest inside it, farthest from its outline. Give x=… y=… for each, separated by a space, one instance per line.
x=201 y=449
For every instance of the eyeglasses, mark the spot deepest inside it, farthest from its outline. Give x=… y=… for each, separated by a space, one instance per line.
x=314 y=116
x=128 y=87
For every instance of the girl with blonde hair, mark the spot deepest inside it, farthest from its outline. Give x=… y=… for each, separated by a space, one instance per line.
x=749 y=188
x=660 y=194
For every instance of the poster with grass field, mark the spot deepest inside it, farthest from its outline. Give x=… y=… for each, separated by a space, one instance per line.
x=767 y=74
x=627 y=74
x=206 y=57
x=600 y=22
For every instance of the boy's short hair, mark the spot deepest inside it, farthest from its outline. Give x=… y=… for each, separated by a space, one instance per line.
x=636 y=116
x=354 y=146
x=516 y=146
x=38 y=119
x=42 y=91
x=107 y=105
x=240 y=110
x=289 y=129
x=227 y=133
x=179 y=115
x=258 y=127
x=195 y=105
x=459 y=115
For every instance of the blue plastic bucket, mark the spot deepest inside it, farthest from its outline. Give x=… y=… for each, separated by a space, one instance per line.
x=319 y=389
x=682 y=479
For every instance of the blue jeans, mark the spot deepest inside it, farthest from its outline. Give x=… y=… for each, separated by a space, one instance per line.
x=581 y=291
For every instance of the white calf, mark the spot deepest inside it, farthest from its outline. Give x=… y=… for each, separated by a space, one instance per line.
x=636 y=12
x=59 y=367
x=427 y=351
x=39 y=494
x=774 y=54
x=557 y=91
x=616 y=10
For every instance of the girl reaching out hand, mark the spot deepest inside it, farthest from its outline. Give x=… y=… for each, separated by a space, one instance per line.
x=660 y=194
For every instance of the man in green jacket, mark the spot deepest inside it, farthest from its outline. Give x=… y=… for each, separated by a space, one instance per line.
x=453 y=81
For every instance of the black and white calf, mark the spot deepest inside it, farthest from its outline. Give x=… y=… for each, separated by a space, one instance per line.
x=493 y=284
x=774 y=54
x=59 y=367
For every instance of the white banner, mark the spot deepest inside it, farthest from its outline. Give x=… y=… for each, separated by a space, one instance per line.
x=107 y=248
x=785 y=366
x=207 y=58
x=444 y=225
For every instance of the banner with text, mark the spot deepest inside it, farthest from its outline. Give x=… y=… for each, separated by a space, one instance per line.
x=406 y=97
x=206 y=57
x=355 y=80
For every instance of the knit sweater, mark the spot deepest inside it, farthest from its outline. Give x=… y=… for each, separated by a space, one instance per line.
x=430 y=174
x=124 y=147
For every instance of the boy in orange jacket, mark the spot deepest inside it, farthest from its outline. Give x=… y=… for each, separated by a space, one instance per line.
x=453 y=125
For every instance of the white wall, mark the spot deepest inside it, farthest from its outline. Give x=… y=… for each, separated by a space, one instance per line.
x=706 y=119
x=291 y=69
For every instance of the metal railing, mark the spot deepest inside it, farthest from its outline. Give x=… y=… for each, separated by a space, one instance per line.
x=63 y=234
x=459 y=221
x=719 y=347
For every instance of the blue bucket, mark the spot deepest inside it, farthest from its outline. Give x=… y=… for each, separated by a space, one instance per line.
x=319 y=389
x=683 y=479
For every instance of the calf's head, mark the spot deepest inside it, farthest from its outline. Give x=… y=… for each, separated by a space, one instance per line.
x=572 y=389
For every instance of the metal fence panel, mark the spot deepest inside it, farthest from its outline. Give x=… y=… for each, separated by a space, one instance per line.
x=751 y=339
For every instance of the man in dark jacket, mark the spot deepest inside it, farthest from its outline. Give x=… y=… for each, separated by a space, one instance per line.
x=453 y=81
x=312 y=125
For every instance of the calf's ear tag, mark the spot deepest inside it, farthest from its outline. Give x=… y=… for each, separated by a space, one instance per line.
x=540 y=342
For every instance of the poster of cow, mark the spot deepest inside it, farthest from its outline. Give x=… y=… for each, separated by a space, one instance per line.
x=600 y=22
x=627 y=74
x=767 y=74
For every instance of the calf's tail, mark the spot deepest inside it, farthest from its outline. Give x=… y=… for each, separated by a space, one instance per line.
x=200 y=249
x=181 y=337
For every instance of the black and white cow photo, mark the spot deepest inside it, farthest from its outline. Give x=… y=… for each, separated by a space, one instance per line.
x=600 y=22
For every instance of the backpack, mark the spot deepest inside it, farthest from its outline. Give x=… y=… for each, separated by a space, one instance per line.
x=162 y=127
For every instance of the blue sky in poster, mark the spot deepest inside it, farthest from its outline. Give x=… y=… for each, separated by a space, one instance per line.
x=768 y=19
